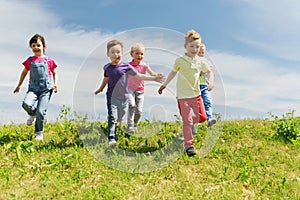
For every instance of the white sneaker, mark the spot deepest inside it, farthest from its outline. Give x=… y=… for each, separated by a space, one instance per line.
x=30 y=120
x=211 y=122
x=39 y=135
x=112 y=142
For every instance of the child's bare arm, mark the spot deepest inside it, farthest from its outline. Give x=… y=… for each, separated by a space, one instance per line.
x=158 y=78
x=211 y=77
x=151 y=72
x=102 y=86
x=55 y=77
x=22 y=77
x=170 y=77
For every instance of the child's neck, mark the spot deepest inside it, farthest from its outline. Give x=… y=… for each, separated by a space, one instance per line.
x=192 y=57
x=116 y=63
x=137 y=62
x=39 y=55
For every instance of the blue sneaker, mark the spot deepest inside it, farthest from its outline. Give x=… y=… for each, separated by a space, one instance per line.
x=190 y=151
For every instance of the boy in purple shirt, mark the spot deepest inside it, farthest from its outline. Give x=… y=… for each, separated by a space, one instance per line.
x=116 y=77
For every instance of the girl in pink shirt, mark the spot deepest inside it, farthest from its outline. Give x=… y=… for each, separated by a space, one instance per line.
x=42 y=82
x=136 y=86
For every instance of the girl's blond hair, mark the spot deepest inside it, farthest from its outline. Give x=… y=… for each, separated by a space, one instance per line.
x=137 y=46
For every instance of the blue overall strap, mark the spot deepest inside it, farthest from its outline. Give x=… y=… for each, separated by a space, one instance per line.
x=30 y=58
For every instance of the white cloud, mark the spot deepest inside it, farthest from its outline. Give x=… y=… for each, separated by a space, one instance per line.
x=257 y=84
x=273 y=26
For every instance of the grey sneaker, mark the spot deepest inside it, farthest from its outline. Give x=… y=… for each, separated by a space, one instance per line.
x=211 y=122
x=30 y=120
x=39 y=135
x=190 y=151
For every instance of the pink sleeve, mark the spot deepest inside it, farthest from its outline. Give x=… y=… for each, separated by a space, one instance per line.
x=51 y=63
x=26 y=64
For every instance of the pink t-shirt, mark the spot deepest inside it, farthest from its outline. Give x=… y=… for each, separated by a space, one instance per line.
x=134 y=83
x=51 y=64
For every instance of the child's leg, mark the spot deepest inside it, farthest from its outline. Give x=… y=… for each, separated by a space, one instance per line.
x=206 y=97
x=41 y=110
x=112 y=118
x=139 y=99
x=198 y=110
x=185 y=112
x=29 y=103
x=122 y=106
x=131 y=109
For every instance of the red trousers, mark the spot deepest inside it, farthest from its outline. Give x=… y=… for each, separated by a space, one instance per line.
x=190 y=118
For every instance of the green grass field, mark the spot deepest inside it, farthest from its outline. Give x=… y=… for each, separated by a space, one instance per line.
x=241 y=159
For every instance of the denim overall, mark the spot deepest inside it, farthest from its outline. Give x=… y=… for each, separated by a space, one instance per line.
x=39 y=93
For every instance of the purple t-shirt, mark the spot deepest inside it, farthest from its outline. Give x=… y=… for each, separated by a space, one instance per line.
x=118 y=79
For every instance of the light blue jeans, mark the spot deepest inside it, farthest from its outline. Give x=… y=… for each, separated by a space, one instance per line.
x=135 y=108
x=206 y=97
x=116 y=110
x=36 y=103
x=39 y=93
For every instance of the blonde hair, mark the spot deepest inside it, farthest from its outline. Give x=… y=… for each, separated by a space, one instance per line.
x=137 y=46
x=191 y=36
x=202 y=45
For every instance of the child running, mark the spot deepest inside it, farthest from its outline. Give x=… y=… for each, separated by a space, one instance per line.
x=116 y=77
x=42 y=82
x=206 y=85
x=136 y=86
x=187 y=88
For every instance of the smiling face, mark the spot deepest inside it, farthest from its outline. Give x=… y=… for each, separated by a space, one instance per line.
x=137 y=55
x=202 y=51
x=192 y=48
x=37 y=48
x=115 y=54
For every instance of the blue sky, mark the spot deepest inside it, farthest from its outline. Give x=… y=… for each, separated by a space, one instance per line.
x=254 y=46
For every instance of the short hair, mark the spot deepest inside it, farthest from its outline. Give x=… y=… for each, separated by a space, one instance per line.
x=191 y=36
x=35 y=38
x=137 y=46
x=113 y=43
x=203 y=45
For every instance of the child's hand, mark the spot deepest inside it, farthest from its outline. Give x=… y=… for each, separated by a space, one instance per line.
x=160 y=78
x=161 y=88
x=55 y=88
x=97 y=91
x=210 y=86
x=202 y=73
x=17 y=89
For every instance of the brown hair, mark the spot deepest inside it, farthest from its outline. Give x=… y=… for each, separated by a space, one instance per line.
x=113 y=43
x=191 y=36
x=35 y=38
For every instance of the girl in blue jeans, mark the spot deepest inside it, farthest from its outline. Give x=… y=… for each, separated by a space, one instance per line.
x=42 y=82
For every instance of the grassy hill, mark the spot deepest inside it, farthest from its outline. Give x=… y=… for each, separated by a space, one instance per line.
x=243 y=161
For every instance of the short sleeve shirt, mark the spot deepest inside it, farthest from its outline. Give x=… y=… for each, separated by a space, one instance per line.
x=188 y=69
x=205 y=65
x=134 y=83
x=51 y=63
x=118 y=79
